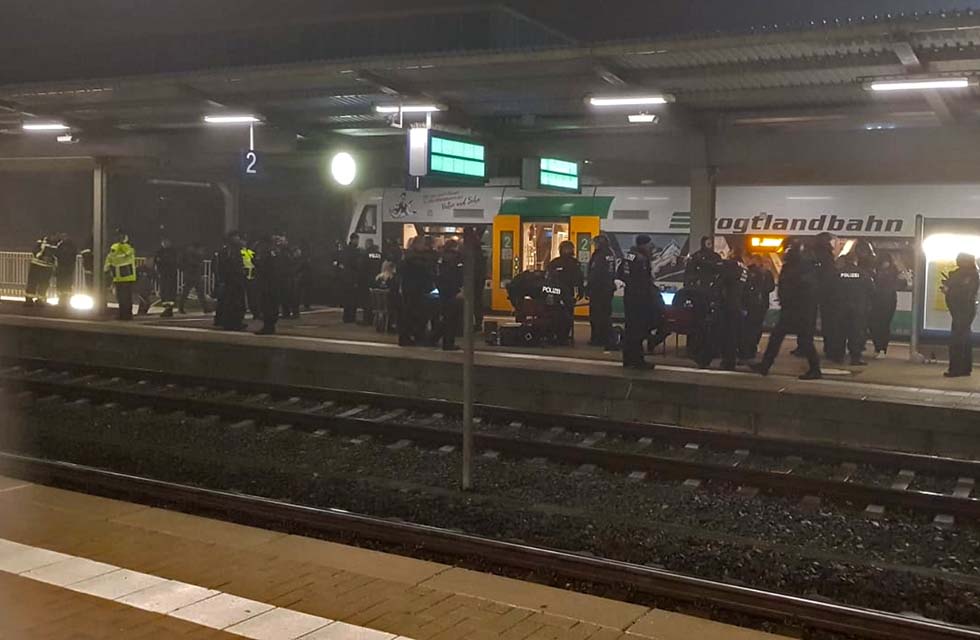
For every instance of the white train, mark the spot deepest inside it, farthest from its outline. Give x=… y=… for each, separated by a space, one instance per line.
x=521 y=230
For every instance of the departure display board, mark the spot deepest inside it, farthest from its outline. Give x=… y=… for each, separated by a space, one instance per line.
x=456 y=157
x=560 y=175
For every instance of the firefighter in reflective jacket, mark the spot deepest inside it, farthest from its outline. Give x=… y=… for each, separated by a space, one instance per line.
x=39 y=272
x=641 y=301
x=120 y=265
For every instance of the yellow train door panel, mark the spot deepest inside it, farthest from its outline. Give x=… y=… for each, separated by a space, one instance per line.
x=583 y=229
x=506 y=259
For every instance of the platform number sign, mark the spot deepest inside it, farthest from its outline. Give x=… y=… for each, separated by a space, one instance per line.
x=584 y=242
x=251 y=164
x=506 y=257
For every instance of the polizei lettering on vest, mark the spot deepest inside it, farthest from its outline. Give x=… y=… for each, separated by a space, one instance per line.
x=826 y=222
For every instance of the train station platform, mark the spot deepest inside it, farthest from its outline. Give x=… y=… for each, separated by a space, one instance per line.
x=889 y=404
x=74 y=565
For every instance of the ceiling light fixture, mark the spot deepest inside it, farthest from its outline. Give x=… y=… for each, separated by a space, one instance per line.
x=630 y=101
x=642 y=118
x=45 y=126
x=921 y=84
x=408 y=108
x=235 y=119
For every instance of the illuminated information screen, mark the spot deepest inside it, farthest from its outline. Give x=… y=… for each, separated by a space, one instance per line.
x=558 y=174
x=452 y=157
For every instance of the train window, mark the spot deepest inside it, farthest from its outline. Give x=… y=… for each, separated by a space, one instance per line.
x=368 y=222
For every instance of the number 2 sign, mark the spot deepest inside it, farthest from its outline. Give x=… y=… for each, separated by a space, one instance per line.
x=251 y=163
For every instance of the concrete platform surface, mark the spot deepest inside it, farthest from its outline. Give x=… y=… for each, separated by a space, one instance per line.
x=114 y=569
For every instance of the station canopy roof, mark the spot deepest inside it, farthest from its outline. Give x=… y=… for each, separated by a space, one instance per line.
x=497 y=69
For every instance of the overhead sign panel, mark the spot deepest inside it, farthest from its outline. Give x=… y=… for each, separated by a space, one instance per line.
x=558 y=174
x=432 y=153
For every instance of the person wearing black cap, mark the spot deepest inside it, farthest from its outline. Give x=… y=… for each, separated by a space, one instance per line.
x=641 y=300
x=601 y=288
x=960 y=288
x=566 y=272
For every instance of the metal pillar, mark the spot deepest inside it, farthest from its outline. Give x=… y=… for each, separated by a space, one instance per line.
x=99 y=232
x=469 y=294
x=918 y=291
x=702 y=204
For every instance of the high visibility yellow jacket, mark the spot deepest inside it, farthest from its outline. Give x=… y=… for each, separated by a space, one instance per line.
x=121 y=262
x=248 y=263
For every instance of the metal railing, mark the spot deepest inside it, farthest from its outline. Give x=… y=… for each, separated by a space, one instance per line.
x=15 y=264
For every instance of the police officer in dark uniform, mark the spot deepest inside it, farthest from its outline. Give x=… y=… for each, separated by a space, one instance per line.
x=798 y=293
x=192 y=265
x=601 y=288
x=416 y=282
x=827 y=295
x=727 y=320
x=960 y=288
x=759 y=285
x=372 y=260
x=856 y=287
x=449 y=281
x=165 y=262
x=566 y=272
x=231 y=273
x=64 y=273
x=350 y=264
x=641 y=300
x=883 y=303
x=701 y=280
x=269 y=274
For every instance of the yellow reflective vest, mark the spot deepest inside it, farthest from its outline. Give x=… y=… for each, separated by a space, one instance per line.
x=247 y=261
x=121 y=262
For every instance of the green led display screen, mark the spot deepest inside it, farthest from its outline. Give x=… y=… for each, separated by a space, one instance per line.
x=558 y=174
x=456 y=158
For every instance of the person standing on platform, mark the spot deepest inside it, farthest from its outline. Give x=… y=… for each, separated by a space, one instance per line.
x=39 y=272
x=372 y=260
x=828 y=307
x=960 y=288
x=449 y=281
x=728 y=321
x=192 y=266
x=701 y=279
x=856 y=289
x=601 y=289
x=120 y=265
x=883 y=304
x=758 y=287
x=64 y=275
x=287 y=274
x=641 y=301
x=304 y=279
x=268 y=280
x=165 y=261
x=416 y=280
x=231 y=273
x=566 y=272
x=252 y=297
x=350 y=264
x=798 y=294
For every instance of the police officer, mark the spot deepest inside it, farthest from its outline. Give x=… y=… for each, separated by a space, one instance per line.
x=828 y=280
x=268 y=285
x=231 y=273
x=855 y=289
x=64 y=274
x=883 y=304
x=416 y=282
x=372 y=260
x=449 y=281
x=601 y=288
x=701 y=279
x=252 y=297
x=39 y=272
x=165 y=262
x=120 y=265
x=566 y=272
x=960 y=288
x=192 y=266
x=759 y=285
x=798 y=292
x=641 y=300
x=727 y=319
x=702 y=265
x=350 y=264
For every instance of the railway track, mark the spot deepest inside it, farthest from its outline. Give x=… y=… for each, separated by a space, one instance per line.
x=642 y=580
x=692 y=456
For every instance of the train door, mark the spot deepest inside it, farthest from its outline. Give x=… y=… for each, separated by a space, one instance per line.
x=506 y=259
x=583 y=229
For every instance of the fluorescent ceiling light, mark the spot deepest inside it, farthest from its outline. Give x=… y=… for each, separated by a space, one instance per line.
x=240 y=119
x=629 y=101
x=408 y=108
x=45 y=126
x=642 y=118
x=919 y=85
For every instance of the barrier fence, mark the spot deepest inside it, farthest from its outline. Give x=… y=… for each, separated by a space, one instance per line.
x=15 y=264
